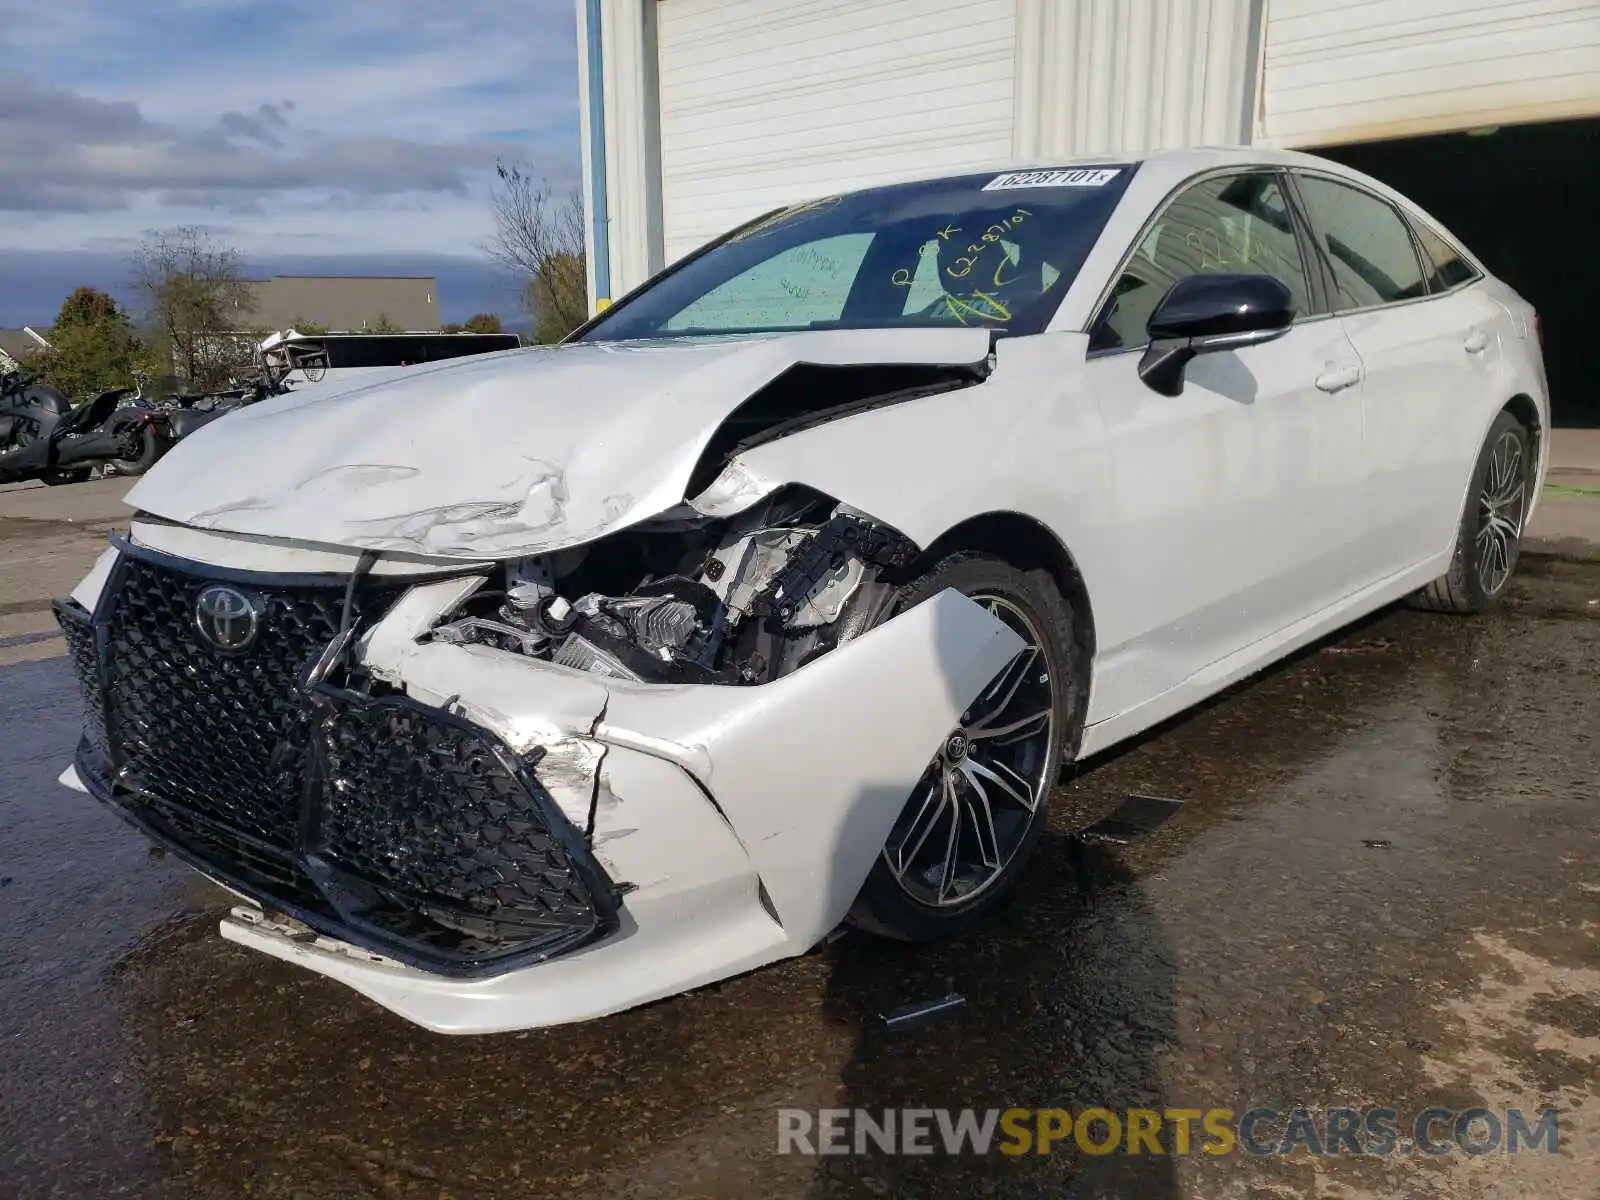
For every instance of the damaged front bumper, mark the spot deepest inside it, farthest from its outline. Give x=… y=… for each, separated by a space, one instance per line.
x=487 y=842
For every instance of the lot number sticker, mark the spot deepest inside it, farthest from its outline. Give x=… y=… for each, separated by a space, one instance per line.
x=1059 y=177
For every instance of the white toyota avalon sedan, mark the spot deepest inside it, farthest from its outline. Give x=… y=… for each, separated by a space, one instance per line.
x=529 y=687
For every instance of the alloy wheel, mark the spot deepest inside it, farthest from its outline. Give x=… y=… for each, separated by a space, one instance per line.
x=973 y=807
x=1501 y=507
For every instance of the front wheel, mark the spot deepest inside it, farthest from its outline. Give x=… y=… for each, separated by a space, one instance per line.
x=1489 y=539
x=976 y=814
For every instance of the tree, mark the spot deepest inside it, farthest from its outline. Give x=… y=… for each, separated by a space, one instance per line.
x=559 y=298
x=87 y=306
x=483 y=323
x=539 y=238
x=383 y=325
x=196 y=301
x=309 y=328
x=92 y=346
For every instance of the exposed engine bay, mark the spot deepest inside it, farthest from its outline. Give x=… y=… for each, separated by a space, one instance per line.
x=686 y=598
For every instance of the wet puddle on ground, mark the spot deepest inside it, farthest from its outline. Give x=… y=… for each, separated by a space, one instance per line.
x=1383 y=889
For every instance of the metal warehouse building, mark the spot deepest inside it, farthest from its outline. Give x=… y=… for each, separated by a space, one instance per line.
x=1487 y=112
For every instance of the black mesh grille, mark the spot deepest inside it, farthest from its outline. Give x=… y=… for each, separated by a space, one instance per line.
x=76 y=625
x=223 y=735
x=382 y=821
x=264 y=870
x=431 y=816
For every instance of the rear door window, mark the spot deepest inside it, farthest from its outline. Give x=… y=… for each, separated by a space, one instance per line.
x=1367 y=243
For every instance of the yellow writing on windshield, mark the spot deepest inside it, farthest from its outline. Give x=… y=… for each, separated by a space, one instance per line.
x=963 y=265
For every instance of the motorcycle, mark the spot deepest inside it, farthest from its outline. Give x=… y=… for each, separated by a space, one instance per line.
x=43 y=436
x=186 y=412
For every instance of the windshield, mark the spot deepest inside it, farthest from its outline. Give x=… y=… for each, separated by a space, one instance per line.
x=989 y=251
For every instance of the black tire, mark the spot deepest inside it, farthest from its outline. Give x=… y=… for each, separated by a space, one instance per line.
x=58 y=478
x=1487 y=549
x=149 y=449
x=887 y=907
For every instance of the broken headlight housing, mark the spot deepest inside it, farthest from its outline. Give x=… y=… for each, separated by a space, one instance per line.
x=692 y=599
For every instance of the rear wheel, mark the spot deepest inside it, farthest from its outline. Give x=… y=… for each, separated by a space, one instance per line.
x=139 y=454
x=58 y=478
x=976 y=814
x=1489 y=540
x=313 y=365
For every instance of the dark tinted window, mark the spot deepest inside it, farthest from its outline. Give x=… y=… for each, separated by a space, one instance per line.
x=1232 y=223
x=991 y=251
x=1446 y=268
x=1368 y=244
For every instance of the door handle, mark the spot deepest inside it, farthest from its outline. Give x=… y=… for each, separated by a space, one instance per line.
x=1339 y=378
x=1477 y=341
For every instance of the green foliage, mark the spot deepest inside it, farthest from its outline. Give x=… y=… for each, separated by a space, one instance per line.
x=483 y=323
x=558 y=297
x=383 y=325
x=309 y=328
x=92 y=347
x=87 y=306
x=452 y=327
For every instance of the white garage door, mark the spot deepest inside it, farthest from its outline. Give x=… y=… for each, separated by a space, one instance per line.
x=765 y=102
x=1338 y=71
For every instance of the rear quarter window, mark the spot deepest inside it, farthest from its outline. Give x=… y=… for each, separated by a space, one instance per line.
x=1444 y=265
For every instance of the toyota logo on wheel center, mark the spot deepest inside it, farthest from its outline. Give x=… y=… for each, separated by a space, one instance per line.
x=225 y=617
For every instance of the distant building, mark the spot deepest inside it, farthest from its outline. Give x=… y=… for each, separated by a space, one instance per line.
x=344 y=303
x=14 y=343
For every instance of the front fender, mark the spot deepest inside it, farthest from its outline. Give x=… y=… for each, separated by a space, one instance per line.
x=1028 y=440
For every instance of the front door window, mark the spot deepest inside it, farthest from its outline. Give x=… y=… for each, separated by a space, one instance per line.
x=1230 y=223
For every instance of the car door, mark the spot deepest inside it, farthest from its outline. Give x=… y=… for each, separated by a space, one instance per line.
x=1238 y=502
x=1428 y=340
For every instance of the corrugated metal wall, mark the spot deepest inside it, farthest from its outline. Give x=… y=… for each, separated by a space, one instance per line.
x=767 y=101
x=759 y=102
x=763 y=101
x=1110 y=76
x=1337 y=71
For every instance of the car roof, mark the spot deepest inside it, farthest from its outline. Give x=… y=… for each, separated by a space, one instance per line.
x=1177 y=164
x=1165 y=169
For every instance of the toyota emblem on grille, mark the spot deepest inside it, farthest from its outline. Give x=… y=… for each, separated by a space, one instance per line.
x=226 y=617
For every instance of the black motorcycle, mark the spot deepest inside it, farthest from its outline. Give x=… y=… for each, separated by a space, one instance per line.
x=42 y=436
x=186 y=412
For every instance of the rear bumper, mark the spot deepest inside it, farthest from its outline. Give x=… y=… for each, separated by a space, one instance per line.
x=735 y=825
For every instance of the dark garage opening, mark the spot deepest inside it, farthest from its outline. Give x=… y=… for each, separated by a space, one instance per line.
x=1526 y=200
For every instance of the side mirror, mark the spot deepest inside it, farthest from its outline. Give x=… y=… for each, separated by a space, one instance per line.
x=1203 y=314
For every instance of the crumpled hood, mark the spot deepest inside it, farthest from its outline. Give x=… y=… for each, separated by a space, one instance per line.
x=497 y=455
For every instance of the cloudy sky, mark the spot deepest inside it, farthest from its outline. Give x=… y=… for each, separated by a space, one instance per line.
x=304 y=133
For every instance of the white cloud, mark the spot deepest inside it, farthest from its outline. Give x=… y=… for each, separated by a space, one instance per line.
x=346 y=123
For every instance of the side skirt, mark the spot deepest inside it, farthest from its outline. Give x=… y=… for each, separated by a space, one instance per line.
x=1258 y=656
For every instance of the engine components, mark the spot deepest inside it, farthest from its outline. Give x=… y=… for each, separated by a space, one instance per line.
x=752 y=598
